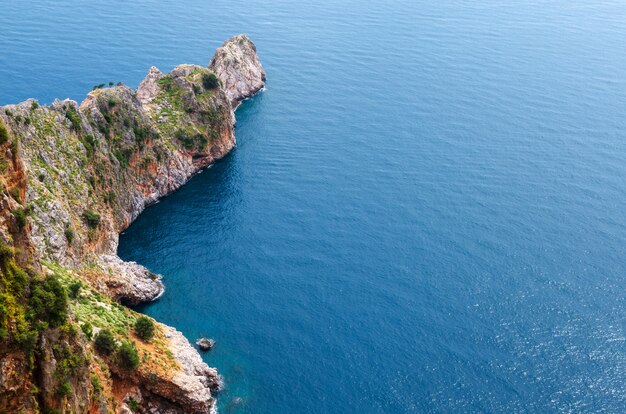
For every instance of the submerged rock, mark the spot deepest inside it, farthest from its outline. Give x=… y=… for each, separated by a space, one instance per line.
x=205 y=344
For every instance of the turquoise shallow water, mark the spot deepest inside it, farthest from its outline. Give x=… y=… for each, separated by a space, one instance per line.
x=425 y=210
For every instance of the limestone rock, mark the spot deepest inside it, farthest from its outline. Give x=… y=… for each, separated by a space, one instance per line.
x=131 y=283
x=191 y=386
x=205 y=344
x=237 y=66
x=149 y=89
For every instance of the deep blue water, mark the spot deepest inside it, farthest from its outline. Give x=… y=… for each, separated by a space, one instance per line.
x=425 y=211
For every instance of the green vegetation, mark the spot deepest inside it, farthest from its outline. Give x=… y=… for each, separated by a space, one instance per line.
x=87 y=330
x=65 y=389
x=48 y=302
x=195 y=141
x=96 y=384
x=112 y=102
x=100 y=86
x=123 y=156
x=69 y=233
x=210 y=81
x=92 y=218
x=28 y=303
x=4 y=134
x=34 y=105
x=133 y=405
x=20 y=217
x=166 y=82
x=105 y=342
x=127 y=355
x=74 y=288
x=144 y=328
x=89 y=143
x=74 y=119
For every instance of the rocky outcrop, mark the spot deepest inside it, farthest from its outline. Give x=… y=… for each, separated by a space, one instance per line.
x=130 y=282
x=78 y=175
x=238 y=68
x=205 y=344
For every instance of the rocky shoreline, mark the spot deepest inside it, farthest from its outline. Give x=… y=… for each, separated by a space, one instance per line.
x=80 y=174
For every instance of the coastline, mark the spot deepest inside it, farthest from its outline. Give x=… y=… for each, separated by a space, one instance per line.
x=84 y=173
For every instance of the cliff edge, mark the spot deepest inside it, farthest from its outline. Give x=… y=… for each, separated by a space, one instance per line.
x=73 y=177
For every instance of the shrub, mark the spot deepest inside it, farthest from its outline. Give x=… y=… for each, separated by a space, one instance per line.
x=190 y=141
x=96 y=384
x=20 y=217
x=112 y=102
x=105 y=342
x=4 y=134
x=74 y=118
x=75 y=289
x=34 y=105
x=144 y=328
x=92 y=218
x=65 y=389
x=87 y=330
x=133 y=405
x=69 y=233
x=48 y=302
x=89 y=143
x=210 y=81
x=127 y=356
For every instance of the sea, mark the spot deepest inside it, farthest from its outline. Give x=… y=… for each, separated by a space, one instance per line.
x=425 y=211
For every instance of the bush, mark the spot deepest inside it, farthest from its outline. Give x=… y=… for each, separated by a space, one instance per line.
x=210 y=81
x=65 y=389
x=20 y=217
x=48 y=302
x=133 y=405
x=127 y=356
x=144 y=328
x=4 y=134
x=96 y=384
x=34 y=105
x=89 y=143
x=69 y=233
x=87 y=330
x=92 y=218
x=105 y=342
x=74 y=118
x=75 y=289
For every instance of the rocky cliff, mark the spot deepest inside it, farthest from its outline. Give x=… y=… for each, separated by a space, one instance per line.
x=73 y=177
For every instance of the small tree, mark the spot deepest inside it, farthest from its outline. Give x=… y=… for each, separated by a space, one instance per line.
x=20 y=217
x=87 y=330
x=127 y=356
x=92 y=218
x=74 y=289
x=144 y=328
x=105 y=342
x=4 y=134
x=210 y=81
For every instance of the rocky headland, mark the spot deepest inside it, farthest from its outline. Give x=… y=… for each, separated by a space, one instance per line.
x=73 y=177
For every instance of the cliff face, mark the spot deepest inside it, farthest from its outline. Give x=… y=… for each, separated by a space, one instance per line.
x=75 y=177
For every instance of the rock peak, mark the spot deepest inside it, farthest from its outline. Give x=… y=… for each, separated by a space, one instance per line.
x=237 y=66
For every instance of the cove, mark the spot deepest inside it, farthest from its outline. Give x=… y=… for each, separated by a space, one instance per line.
x=424 y=212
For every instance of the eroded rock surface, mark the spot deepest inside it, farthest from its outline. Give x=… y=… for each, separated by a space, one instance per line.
x=237 y=66
x=86 y=172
